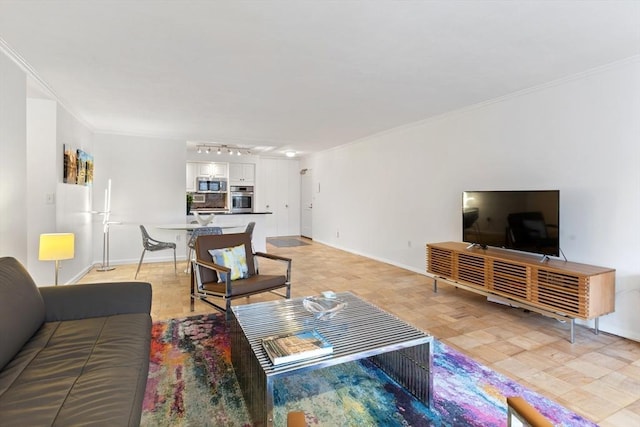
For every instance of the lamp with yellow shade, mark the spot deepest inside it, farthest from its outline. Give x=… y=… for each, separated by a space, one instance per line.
x=56 y=247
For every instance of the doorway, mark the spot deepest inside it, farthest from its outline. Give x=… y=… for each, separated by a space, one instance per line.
x=306 y=203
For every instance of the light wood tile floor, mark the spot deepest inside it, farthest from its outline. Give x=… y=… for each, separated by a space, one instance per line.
x=598 y=376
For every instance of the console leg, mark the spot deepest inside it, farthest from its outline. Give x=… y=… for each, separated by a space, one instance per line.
x=597 y=326
x=435 y=286
x=573 y=335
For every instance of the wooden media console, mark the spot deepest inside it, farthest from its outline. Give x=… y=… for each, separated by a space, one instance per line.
x=560 y=289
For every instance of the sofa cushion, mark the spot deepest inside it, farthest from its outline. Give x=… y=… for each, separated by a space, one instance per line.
x=79 y=371
x=21 y=308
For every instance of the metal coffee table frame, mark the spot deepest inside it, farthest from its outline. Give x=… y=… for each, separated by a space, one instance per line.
x=361 y=330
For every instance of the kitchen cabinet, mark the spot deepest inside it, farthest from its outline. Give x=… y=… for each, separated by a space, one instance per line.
x=278 y=191
x=192 y=173
x=215 y=170
x=242 y=173
x=196 y=169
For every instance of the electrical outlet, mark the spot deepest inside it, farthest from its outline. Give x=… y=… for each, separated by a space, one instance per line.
x=409 y=243
x=337 y=234
x=50 y=198
x=178 y=237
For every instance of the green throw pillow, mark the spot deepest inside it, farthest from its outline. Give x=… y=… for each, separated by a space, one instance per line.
x=234 y=258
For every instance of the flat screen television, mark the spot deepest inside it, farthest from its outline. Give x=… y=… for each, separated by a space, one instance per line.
x=526 y=221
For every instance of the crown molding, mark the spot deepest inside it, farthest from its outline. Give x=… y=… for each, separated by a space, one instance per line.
x=16 y=58
x=634 y=59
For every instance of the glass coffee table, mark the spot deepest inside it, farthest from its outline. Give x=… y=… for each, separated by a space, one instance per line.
x=360 y=331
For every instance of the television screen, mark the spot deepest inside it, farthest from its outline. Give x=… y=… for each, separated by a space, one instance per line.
x=522 y=220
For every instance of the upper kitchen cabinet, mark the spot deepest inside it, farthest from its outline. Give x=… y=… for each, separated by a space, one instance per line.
x=242 y=173
x=215 y=170
x=196 y=169
x=192 y=173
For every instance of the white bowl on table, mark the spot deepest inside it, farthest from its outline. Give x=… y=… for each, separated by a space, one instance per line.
x=204 y=218
x=322 y=307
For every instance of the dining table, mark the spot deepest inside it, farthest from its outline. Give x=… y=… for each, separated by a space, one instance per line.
x=191 y=227
x=229 y=222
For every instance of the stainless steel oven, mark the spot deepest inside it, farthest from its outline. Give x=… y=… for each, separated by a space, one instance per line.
x=241 y=198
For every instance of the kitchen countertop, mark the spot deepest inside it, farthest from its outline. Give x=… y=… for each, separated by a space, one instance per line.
x=207 y=212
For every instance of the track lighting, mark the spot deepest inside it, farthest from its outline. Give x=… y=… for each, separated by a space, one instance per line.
x=229 y=149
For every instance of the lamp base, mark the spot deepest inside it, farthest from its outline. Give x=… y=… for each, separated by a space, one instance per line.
x=105 y=251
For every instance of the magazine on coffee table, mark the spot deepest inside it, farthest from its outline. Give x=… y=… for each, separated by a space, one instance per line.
x=289 y=348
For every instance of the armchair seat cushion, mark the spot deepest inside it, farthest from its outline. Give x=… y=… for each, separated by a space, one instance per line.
x=250 y=285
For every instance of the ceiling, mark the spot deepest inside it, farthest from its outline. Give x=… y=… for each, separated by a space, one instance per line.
x=301 y=75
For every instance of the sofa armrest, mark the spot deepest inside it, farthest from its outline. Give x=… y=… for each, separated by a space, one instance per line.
x=82 y=301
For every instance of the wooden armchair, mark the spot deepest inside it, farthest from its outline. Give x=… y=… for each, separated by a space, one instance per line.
x=205 y=273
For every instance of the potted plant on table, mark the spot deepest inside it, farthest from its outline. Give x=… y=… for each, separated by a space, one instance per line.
x=189 y=201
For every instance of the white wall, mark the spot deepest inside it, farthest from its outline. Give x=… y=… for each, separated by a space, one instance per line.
x=148 y=187
x=13 y=161
x=390 y=194
x=32 y=133
x=55 y=207
x=41 y=181
x=73 y=202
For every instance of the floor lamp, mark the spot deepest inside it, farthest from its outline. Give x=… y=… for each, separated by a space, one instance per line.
x=105 y=229
x=56 y=247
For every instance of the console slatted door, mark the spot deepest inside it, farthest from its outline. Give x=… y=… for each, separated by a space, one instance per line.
x=471 y=269
x=440 y=261
x=566 y=293
x=510 y=278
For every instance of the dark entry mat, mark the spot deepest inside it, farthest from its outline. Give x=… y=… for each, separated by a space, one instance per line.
x=286 y=242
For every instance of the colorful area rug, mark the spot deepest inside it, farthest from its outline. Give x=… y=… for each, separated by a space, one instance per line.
x=192 y=383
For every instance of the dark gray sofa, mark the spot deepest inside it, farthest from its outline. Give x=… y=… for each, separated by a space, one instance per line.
x=72 y=355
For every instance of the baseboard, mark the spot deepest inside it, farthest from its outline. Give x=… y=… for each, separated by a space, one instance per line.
x=182 y=258
x=79 y=276
x=375 y=258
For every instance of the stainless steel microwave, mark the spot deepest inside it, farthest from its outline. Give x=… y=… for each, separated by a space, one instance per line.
x=207 y=185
